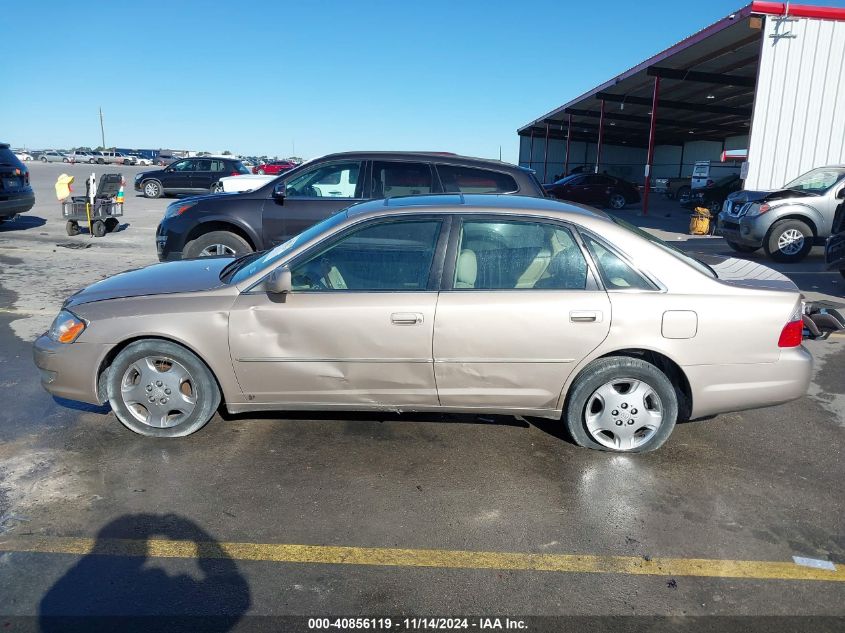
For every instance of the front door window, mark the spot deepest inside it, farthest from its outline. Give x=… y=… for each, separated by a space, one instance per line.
x=329 y=180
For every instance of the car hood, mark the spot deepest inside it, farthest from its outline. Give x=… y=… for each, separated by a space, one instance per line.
x=746 y=273
x=192 y=275
x=766 y=195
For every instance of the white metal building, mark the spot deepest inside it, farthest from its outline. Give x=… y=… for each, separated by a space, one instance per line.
x=767 y=78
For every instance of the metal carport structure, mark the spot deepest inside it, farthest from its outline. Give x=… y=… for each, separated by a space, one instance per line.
x=766 y=78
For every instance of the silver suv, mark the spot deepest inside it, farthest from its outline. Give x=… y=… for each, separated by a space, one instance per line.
x=786 y=222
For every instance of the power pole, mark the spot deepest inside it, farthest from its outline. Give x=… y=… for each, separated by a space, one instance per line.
x=102 y=129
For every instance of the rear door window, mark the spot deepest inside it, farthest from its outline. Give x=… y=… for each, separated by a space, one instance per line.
x=392 y=179
x=518 y=255
x=459 y=179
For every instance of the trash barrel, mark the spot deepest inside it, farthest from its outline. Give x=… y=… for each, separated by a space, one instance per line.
x=699 y=223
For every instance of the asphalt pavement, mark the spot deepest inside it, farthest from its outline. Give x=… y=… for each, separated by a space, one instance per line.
x=368 y=515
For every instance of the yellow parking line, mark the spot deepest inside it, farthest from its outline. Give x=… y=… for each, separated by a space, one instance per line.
x=453 y=559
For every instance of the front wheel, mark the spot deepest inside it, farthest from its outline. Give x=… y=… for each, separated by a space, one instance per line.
x=160 y=389
x=789 y=241
x=152 y=189
x=98 y=228
x=91 y=161
x=43 y=159
x=742 y=248
x=72 y=227
x=616 y=201
x=260 y=172
x=216 y=244
x=621 y=404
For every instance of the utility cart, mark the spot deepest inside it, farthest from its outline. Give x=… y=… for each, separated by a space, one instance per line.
x=99 y=211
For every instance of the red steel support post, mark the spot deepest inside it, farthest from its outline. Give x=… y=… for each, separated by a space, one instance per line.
x=650 y=155
x=568 y=136
x=601 y=137
x=546 y=154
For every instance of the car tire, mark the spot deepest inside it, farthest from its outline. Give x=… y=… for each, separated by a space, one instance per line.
x=100 y=161
x=616 y=201
x=217 y=243
x=260 y=172
x=638 y=424
x=152 y=189
x=98 y=228
x=683 y=192
x=742 y=248
x=65 y=160
x=91 y=161
x=43 y=159
x=162 y=374
x=789 y=241
x=217 y=188
x=72 y=227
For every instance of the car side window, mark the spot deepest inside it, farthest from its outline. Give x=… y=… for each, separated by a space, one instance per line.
x=202 y=165
x=391 y=179
x=183 y=165
x=329 y=180
x=518 y=255
x=456 y=178
x=218 y=166
x=385 y=256
x=615 y=272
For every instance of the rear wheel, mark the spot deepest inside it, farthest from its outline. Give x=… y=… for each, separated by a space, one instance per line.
x=616 y=201
x=218 y=243
x=789 y=241
x=43 y=159
x=742 y=248
x=91 y=161
x=72 y=227
x=621 y=404
x=160 y=389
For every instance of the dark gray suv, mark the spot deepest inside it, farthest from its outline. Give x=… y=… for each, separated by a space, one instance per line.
x=16 y=195
x=240 y=223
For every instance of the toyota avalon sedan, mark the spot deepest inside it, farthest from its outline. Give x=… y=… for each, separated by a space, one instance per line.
x=460 y=303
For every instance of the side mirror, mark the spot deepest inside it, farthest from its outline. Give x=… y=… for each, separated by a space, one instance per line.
x=279 y=192
x=279 y=282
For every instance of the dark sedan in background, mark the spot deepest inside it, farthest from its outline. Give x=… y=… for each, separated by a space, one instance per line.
x=598 y=190
x=713 y=196
x=240 y=223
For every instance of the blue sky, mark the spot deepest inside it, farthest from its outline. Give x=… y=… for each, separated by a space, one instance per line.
x=257 y=77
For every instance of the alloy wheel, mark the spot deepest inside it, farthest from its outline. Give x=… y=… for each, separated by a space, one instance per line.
x=790 y=242
x=623 y=414
x=158 y=391
x=151 y=189
x=213 y=250
x=617 y=201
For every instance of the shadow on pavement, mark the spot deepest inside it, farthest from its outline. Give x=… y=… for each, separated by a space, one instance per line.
x=22 y=223
x=117 y=587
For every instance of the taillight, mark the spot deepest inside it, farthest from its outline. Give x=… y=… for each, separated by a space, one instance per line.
x=791 y=334
x=235 y=173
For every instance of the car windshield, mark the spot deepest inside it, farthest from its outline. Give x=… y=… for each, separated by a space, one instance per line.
x=247 y=266
x=817 y=181
x=672 y=250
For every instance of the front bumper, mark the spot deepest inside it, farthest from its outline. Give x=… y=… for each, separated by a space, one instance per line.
x=70 y=370
x=725 y=388
x=171 y=235
x=746 y=230
x=834 y=252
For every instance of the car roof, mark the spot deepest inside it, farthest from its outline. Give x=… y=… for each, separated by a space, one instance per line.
x=441 y=157
x=475 y=203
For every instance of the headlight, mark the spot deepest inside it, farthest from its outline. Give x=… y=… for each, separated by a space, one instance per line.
x=177 y=209
x=66 y=327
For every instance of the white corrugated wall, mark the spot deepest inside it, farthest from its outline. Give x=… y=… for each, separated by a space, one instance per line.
x=799 y=110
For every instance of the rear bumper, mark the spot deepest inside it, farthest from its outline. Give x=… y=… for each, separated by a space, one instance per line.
x=69 y=371
x=13 y=203
x=724 y=388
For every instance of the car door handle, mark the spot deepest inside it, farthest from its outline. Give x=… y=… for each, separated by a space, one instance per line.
x=585 y=316
x=406 y=318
